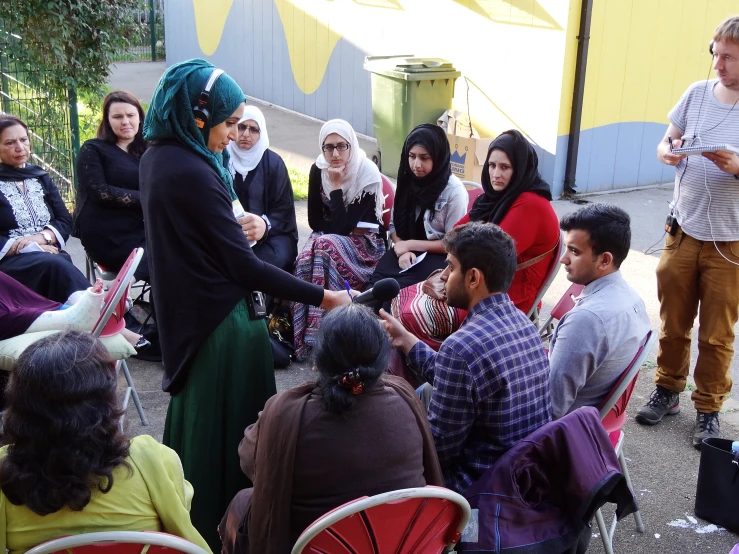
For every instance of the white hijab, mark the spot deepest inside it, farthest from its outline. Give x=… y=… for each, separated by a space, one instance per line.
x=362 y=176
x=243 y=161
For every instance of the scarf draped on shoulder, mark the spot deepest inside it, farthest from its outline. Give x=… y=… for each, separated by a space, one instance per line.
x=269 y=525
x=170 y=114
x=361 y=177
x=492 y=206
x=420 y=192
x=28 y=171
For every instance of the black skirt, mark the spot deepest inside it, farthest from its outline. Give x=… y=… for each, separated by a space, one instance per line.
x=388 y=267
x=53 y=276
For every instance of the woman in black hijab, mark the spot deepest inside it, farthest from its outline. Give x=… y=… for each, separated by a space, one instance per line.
x=518 y=200
x=492 y=206
x=429 y=200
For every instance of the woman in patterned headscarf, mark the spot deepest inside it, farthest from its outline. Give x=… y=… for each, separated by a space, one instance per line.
x=217 y=358
x=344 y=191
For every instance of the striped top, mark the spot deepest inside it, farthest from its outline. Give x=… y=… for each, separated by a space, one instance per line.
x=706 y=199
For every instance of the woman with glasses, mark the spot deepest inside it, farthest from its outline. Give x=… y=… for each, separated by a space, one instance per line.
x=264 y=189
x=344 y=200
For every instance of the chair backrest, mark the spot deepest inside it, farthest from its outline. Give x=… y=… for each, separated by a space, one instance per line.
x=118 y=542
x=552 y=271
x=420 y=520
x=111 y=320
x=389 y=193
x=567 y=302
x=472 y=196
x=471 y=185
x=613 y=409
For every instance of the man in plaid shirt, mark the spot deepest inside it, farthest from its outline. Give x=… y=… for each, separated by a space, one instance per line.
x=491 y=377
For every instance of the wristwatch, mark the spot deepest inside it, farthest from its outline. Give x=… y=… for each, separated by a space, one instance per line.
x=266 y=221
x=47 y=236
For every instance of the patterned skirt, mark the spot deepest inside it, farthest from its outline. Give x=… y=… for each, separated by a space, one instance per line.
x=329 y=260
x=431 y=320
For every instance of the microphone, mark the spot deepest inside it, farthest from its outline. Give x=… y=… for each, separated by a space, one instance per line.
x=383 y=291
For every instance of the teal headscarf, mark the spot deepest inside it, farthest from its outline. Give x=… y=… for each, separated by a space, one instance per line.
x=170 y=113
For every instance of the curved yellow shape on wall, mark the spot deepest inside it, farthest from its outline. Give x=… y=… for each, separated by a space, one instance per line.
x=310 y=43
x=210 y=19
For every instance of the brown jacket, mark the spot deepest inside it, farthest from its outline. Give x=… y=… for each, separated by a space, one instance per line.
x=305 y=461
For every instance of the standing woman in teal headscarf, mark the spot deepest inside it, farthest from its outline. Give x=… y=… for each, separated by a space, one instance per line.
x=217 y=360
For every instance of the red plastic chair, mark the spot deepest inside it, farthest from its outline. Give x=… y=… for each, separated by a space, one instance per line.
x=389 y=193
x=111 y=322
x=552 y=271
x=423 y=520
x=118 y=542
x=473 y=193
x=613 y=417
x=565 y=304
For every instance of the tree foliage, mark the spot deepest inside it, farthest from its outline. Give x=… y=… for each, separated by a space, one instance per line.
x=72 y=42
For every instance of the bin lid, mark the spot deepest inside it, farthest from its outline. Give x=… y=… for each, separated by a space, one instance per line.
x=411 y=68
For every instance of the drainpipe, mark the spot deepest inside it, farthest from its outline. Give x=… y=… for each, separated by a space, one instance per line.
x=578 y=93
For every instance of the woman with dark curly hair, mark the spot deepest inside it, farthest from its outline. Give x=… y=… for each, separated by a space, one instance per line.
x=66 y=467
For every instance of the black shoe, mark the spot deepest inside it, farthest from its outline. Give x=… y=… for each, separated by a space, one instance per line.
x=662 y=402
x=706 y=427
x=141 y=345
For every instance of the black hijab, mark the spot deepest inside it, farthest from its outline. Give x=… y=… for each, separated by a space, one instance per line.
x=29 y=171
x=413 y=192
x=492 y=206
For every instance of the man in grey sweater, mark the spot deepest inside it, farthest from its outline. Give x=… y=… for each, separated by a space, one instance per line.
x=595 y=341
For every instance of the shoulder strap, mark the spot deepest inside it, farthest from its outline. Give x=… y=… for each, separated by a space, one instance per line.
x=540 y=257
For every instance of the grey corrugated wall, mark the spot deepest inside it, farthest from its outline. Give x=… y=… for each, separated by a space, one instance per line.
x=253 y=50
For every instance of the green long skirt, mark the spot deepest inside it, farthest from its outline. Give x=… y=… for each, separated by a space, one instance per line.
x=228 y=383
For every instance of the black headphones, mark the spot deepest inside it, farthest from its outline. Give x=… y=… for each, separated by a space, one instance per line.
x=710 y=48
x=200 y=110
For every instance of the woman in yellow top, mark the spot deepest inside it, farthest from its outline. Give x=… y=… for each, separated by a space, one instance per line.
x=67 y=469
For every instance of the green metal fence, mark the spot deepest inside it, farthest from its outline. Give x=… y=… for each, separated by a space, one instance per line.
x=147 y=44
x=22 y=93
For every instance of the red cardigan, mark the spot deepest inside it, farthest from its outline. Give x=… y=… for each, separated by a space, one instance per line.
x=534 y=226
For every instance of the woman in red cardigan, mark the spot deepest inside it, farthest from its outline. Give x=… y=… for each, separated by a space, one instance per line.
x=518 y=200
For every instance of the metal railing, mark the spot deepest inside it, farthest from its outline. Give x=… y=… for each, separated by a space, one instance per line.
x=147 y=44
x=22 y=93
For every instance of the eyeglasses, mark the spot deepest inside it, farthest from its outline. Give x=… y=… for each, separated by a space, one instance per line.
x=329 y=148
x=252 y=130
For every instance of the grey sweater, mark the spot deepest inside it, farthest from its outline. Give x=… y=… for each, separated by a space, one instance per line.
x=594 y=343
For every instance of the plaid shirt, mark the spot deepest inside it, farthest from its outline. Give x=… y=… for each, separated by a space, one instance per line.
x=491 y=388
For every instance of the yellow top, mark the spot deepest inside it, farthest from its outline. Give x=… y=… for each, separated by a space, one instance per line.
x=154 y=496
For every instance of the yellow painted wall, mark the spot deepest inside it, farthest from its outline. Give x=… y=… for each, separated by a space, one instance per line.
x=643 y=54
x=511 y=51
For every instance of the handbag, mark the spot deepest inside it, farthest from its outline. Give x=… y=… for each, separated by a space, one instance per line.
x=434 y=286
x=717 y=493
x=140 y=319
x=281 y=337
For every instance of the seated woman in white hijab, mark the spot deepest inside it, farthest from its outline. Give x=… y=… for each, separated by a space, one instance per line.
x=344 y=194
x=264 y=189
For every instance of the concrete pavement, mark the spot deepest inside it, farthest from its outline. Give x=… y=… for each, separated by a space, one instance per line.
x=662 y=463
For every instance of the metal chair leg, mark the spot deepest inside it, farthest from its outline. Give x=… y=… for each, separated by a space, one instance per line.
x=134 y=395
x=625 y=471
x=90 y=269
x=607 y=544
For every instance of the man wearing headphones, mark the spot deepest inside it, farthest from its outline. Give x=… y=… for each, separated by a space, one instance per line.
x=698 y=272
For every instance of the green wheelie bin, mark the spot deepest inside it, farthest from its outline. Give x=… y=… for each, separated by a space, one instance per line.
x=406 y=91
